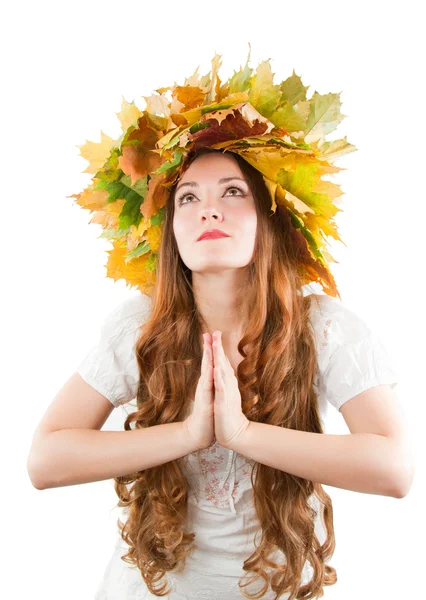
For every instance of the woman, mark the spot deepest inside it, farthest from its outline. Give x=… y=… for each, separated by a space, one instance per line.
x=239 y=286
x=233 y=364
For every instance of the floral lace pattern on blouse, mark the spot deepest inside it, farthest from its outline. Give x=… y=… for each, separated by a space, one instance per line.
x=219 y=475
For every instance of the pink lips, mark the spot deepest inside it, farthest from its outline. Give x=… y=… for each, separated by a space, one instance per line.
x=212 y=235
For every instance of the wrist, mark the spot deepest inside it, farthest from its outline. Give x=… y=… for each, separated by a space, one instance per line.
x=188 y=441
x=240 y=438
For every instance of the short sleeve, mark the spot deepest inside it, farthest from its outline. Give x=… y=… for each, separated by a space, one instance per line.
x=110 y=366
x=351 y=355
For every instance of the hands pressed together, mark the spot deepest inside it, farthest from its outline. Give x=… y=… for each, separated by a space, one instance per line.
x=217 y=408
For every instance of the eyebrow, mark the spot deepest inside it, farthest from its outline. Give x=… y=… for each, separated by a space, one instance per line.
x=195 y=184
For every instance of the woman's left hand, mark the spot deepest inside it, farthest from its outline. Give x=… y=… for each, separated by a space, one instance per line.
x=229 y=420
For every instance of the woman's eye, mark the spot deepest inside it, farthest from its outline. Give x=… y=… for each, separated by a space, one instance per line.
x=182 y=198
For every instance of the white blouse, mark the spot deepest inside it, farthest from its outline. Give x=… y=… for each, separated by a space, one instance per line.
x=351 y=359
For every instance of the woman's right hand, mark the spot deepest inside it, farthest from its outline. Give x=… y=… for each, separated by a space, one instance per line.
x=200 y=423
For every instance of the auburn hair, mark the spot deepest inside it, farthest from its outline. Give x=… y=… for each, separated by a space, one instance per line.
x=275 y=379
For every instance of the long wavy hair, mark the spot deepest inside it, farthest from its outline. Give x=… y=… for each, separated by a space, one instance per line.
x=275 y=379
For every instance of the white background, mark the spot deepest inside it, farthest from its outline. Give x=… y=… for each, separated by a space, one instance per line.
x=65 y=67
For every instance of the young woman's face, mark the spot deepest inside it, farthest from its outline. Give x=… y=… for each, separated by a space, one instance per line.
x=211 y=204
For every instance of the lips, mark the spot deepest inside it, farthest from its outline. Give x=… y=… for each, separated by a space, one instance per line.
x=212 y=235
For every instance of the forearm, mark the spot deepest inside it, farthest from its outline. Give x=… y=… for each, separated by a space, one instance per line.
x=74 y=456
x=359 y=462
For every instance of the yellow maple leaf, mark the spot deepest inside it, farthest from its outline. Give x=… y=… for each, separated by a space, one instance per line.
x=129 y=114
x=137 y=234
x=157 y=104
x=108 y=221
x=108 y=215
x=91 y=199
x=264 y=95
x=190 y=96
x=134 y=271
x=96 y=153
x=324 y=116
x=216 y=64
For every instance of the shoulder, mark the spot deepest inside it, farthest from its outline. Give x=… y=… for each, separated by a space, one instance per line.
x=122 y=325
x=128 y=314
x=342 y=321
x=334 y=325
x=134 y=307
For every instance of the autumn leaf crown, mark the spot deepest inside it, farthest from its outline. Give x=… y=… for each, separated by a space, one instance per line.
x=274 y=127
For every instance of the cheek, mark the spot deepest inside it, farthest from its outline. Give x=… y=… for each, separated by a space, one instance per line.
x=248 y=220
x=181 y=227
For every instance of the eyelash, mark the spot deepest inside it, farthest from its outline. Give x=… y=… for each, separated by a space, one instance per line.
x=231 y=187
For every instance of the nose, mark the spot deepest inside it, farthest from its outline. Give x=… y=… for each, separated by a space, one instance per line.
x=210 y=212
